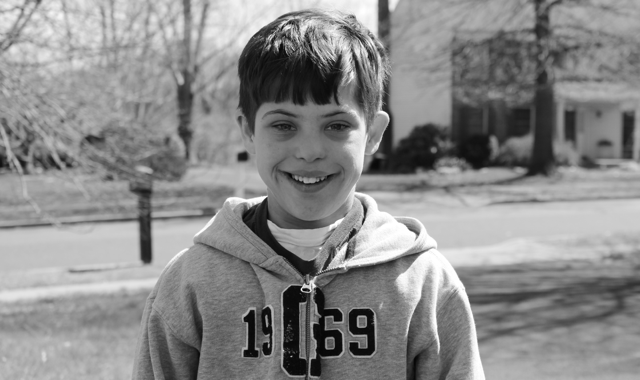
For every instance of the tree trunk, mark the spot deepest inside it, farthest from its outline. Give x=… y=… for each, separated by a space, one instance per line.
x=185 y=111
x=185 y=83
x=542 y=157
x=384 y=33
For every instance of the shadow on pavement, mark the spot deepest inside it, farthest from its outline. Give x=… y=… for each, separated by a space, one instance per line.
x=521 y=299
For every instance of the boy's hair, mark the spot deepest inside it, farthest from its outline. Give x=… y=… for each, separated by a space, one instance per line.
x=306 y=56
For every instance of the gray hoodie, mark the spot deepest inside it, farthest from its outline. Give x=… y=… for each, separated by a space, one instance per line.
x=229 y=307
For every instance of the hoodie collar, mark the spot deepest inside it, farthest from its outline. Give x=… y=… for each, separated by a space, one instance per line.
x=381 y=238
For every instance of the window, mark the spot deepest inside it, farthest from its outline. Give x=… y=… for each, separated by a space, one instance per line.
x=570 y=126
x=520 y=124
x=628 y=121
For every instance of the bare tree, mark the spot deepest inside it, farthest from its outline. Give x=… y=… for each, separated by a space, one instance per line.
x=192 y=41
x=61 y=109
x=182 y=56
x=542 y=157
x=17 y=15
x=113 y=65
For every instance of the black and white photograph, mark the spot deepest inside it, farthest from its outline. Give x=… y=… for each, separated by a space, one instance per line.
x=320 y=189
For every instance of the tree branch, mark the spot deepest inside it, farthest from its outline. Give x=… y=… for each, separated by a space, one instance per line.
x=21 y=21
x=201 y=27
x=165 y=39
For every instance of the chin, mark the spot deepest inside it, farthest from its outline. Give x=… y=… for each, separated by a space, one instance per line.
x=311 y=216
x=315 y=214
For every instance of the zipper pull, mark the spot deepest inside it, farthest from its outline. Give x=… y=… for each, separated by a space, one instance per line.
x=309 y=285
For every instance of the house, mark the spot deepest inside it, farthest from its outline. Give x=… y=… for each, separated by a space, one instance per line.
x=467 y=66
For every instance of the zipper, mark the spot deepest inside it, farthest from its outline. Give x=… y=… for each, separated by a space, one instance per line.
x=309 y=285
x=308 y=288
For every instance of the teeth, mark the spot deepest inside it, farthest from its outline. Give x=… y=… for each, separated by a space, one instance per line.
x=308 y=180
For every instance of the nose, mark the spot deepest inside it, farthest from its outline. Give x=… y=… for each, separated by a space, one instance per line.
x=310 y=148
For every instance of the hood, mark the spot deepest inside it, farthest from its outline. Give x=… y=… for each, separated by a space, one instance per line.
x=382 y=238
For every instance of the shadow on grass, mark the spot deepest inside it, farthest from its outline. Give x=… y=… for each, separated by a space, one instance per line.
x=536 y=297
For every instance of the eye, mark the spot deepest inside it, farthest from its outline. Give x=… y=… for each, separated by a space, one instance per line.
x=338 y=127
x=283 y=127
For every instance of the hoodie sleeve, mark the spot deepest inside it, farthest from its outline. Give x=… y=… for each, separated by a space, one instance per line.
x=454 y=355
x=161 y=354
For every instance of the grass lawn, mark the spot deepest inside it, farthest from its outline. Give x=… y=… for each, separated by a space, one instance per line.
x=75 y=338
x=500 y=185
x=71 y=195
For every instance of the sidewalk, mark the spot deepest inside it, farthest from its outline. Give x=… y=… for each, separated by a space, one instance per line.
x=107 y=218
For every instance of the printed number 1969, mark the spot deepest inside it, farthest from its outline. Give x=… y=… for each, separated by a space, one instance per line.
x=361 y=323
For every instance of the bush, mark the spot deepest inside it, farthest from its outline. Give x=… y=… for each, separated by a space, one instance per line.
x=478 y=150
x=167 y=164
x=516 y=151
x=451 y=164
x=565 y=154
x=424 y=145
x=122 y=148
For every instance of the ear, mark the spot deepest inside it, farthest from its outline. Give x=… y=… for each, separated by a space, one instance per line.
x=376 y=129
x=246 y=132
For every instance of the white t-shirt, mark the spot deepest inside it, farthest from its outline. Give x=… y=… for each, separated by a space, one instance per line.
x=306 y=244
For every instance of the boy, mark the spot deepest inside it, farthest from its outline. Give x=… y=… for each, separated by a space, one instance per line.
x=312 y=280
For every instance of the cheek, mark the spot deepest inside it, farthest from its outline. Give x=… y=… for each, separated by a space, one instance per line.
x=351 y=158
x=266 y=151
x=354 y=149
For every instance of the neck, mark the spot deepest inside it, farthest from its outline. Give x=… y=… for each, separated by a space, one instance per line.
x=288 y=221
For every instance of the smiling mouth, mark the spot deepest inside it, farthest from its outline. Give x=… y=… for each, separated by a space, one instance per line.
x=308 y=180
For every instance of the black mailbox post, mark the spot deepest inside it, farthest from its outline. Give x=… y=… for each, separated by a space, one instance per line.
x=243 y=156
x=142 y=186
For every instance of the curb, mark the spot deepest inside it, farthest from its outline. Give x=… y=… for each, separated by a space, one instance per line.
x=575 y=199
x=108 y=218
x=60 y=291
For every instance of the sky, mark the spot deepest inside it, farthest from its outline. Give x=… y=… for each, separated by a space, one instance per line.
x=365 y=10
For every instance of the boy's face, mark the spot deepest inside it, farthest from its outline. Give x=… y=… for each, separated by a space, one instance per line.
x=311 y=156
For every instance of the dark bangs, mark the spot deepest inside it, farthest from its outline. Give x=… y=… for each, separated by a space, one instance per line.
x=306 y=56
x=300 y=77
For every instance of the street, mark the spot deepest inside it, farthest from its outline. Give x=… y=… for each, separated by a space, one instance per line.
x=452 y=226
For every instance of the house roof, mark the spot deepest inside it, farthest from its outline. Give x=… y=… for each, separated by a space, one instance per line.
x=596 y=92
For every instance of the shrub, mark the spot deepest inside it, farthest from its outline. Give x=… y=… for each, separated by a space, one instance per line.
x=450 y=163
x=167 y=164
x=478 y=150
x=119 y=149
x=516 y=151
x=424 y=145
x=565 y=154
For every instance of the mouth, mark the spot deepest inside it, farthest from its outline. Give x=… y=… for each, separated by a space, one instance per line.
x=311 y=183
x=308 y=180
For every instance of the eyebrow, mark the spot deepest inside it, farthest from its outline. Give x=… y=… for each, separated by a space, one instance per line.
x=339 y=112
x=279 y=112
x=291 y=114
